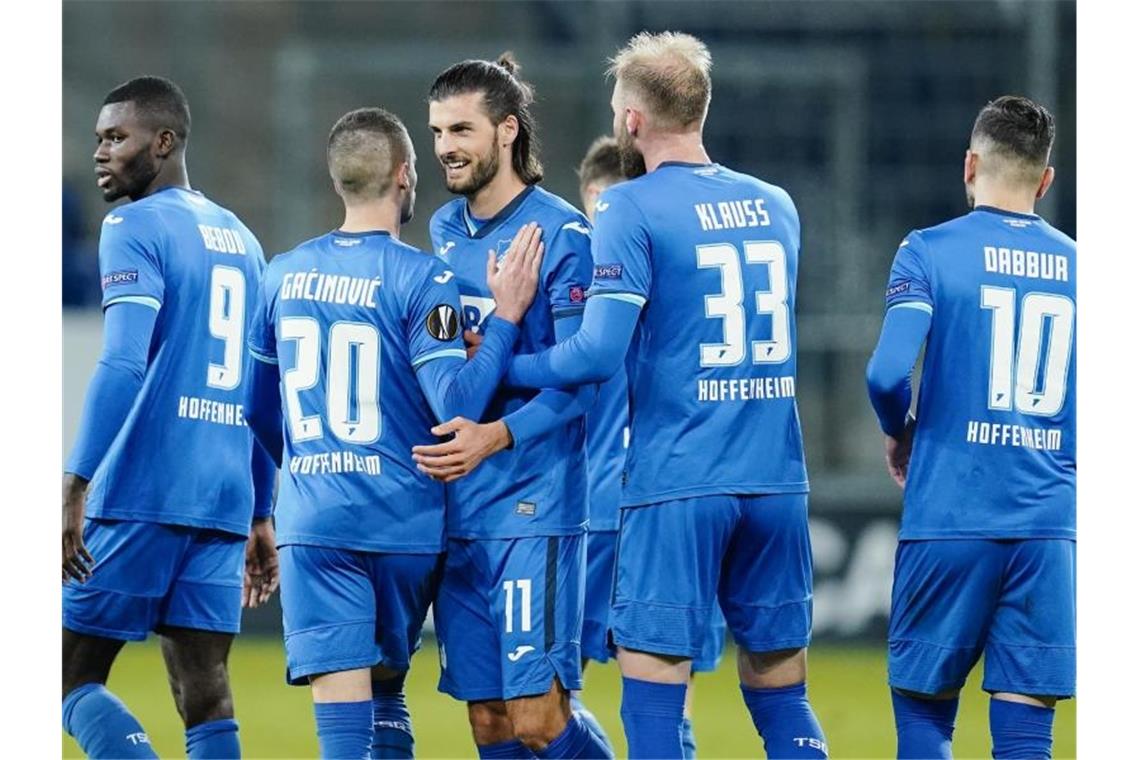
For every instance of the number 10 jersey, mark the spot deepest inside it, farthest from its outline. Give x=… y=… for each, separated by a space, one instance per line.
x=995 y=445
x=711 y=257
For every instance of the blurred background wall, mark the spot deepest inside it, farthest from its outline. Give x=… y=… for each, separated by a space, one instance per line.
x=861 y=109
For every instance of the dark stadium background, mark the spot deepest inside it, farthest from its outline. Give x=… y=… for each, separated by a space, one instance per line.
x=860 y=109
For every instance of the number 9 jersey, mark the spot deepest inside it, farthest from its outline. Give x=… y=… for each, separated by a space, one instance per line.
x=995 y=444
x=183 y=455
x=711 y=256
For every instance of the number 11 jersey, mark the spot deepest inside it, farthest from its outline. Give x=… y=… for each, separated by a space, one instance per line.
x=711 y=256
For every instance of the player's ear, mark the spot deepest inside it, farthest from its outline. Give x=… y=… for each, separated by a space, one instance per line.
x=164 y=142
x=633 y=121
x=970 y=167
x=1046 y=182
x=404 y=176
x=508 y=130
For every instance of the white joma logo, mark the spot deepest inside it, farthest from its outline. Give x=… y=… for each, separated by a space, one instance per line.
x=516 y=655
x=577 y=227
x=112 y=219
x=443 y=249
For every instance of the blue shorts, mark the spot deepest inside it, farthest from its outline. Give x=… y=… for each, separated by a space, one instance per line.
x=1015 y=600
x=600 y=549
x=150 y=575
x=676 y=559
x=509 y=616
x=344 y=609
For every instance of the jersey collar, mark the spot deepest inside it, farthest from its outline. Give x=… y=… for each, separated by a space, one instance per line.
x=366 y=233
x=1003 y=212
x=480 y=228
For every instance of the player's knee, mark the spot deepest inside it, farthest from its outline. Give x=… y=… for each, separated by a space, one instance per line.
x=86 y=659
x=772 y=670
x=205 y=696
x=537 y=729
x=489 y=722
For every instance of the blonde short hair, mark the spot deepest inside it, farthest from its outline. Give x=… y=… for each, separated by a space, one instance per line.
x=669 y=73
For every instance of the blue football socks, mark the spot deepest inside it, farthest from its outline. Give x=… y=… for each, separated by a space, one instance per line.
x=102 y=724
x=925 y=727
x=392 y=735
x=213 y=740
x=576 y=741
x=591 y=721
x=1019 y=730
x=652 y=714
x=784 y=718
x=688 y=741
x=344 y=729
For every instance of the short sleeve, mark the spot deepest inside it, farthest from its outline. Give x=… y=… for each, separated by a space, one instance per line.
x=621 y=250
x=262 y=341
x=433 y=325
x=570 y=270
x=909 y=283
x=130 y=265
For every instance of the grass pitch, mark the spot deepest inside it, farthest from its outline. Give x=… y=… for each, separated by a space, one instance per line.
x=847 y=688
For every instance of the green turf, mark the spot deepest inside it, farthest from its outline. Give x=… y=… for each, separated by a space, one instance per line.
x=846 y=687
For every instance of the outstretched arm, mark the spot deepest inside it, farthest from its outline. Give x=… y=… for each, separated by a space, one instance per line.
x=593 y=354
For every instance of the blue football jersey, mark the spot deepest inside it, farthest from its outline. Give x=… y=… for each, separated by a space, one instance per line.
x=995 y=444
x=538 y=487
x=349 y=317
x=183 y=455
x=606 y=440
x=711 y=255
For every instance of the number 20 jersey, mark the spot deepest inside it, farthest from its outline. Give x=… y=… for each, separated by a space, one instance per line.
x=349 y=317
x=995 y=444
x=711 y=255
x=183 y=455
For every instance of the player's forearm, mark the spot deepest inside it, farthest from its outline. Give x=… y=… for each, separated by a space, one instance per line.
x=889 y=371
x=456 y=388
x=264 y=479
x=127 y=328
x=110 y=397
x=548 y=411
x=593 y=354
x=262 y=409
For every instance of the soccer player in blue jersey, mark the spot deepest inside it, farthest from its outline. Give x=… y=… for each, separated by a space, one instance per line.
x=366 y=331
x=694 y=290
x=606 y=433
x=509 y=614
x=158 y=496
x=987 y=549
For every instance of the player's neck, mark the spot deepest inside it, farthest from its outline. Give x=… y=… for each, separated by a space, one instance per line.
x=1004 y=198
x=684 y=147
x=170 y=175
x=495 y=195
x=372 y=217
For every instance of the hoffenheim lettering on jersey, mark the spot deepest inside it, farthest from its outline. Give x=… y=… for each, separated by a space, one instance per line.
x=539 y=487
x=348 y=317
x=711 y=255
x=994 y=448
x=183 y=456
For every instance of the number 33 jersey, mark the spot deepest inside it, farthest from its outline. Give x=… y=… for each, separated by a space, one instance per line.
x=995 y=444
x=711 y=256
x=183 y=455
